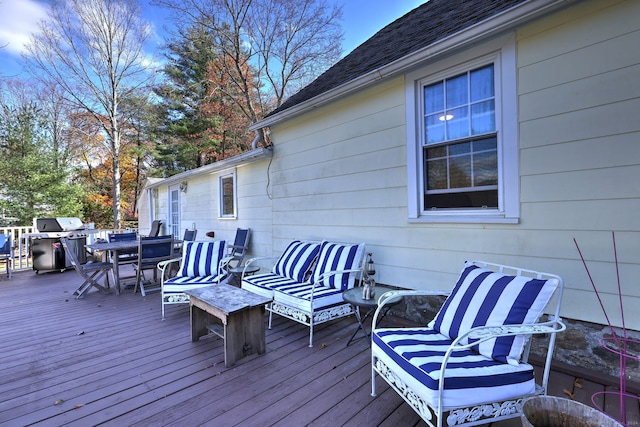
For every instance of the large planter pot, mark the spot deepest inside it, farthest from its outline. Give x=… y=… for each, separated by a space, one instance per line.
x=549 y=411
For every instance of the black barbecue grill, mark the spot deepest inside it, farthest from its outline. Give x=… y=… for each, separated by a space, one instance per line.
x=47 y=251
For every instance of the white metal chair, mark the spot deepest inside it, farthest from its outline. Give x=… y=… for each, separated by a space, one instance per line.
x=200 y=266
x=468 y=366
x=307 y=281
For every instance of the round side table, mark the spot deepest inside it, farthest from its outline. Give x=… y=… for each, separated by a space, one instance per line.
x=235 y=273
x=354 y=297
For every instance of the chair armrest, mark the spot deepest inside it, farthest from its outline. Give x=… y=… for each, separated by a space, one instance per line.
x=480 y=334
x=484 y=333
x=223 y=262
x=237 y=247
x=328 y=274
x=255 y=259
x=391 y=297
x=262 y=258
x=162 y=266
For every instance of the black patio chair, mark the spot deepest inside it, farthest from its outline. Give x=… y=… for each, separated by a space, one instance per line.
x=237 y=251
x=6 y=252
x=151 y=250
x=155 y=228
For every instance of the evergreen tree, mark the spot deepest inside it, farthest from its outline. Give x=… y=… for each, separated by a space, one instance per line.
x=31 y=184
x=185 y=140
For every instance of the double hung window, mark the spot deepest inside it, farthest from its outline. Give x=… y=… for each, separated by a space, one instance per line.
x=460 y=151
x=462 y=138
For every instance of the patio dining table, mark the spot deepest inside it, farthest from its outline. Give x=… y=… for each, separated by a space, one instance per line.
x=113 y=248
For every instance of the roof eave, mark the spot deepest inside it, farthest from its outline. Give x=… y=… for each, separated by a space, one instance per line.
x=252 y=156
x=490 y=27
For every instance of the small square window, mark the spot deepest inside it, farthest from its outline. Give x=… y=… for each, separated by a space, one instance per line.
x=227 y=191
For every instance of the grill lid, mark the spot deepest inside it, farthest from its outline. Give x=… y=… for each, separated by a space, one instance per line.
x=49 y=225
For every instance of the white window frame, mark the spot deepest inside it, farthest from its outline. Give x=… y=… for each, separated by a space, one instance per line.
x=502 y=53
x=174 y=211
x=221 y=178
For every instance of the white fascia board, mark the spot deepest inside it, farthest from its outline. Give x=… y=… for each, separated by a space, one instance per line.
x=499 y=23
x=254 y=155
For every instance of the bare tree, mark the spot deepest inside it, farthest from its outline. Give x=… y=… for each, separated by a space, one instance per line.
x=56 y=110
x=93 y=50
x=276 y=46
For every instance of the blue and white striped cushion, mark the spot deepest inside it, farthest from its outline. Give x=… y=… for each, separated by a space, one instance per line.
x=296 y=260
x=336 y=257
x=483 y=297
x=201 y=259
x=415 y=356
x=177 y=286
x=195 y=280
x=299 y=295
x=265 y=283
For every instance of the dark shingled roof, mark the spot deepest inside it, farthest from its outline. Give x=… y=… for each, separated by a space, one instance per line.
x=433 y=21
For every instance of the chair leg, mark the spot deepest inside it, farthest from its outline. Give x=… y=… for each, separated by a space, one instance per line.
x=90 y=281
x=143 y=280
x=373 y=381
x=138 y=283
x=7 y=265
x=82 y=289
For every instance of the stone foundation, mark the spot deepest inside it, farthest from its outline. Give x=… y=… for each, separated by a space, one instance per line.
x=580 y=345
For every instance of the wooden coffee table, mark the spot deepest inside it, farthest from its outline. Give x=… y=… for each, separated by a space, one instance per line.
x=235 y=315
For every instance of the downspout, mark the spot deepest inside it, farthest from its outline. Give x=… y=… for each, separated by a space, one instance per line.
x=257 y=139
x=151 y=202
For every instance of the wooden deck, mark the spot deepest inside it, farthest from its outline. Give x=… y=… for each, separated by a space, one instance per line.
x=111 y=360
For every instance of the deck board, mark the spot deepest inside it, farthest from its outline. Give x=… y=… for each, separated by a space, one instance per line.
x=111 y=360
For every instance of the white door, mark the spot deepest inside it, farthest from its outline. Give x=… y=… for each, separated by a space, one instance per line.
x=174 y=211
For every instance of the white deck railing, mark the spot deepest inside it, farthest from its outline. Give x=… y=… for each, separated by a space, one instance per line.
x=21 y=260
x=21 y=240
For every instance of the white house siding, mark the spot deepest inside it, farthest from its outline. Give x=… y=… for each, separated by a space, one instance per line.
x=339 y=172
x=579 y=105
x=160 y=208
x=199 y=206
x=254 y=208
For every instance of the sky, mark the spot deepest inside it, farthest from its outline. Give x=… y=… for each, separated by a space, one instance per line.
x=19 y=19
